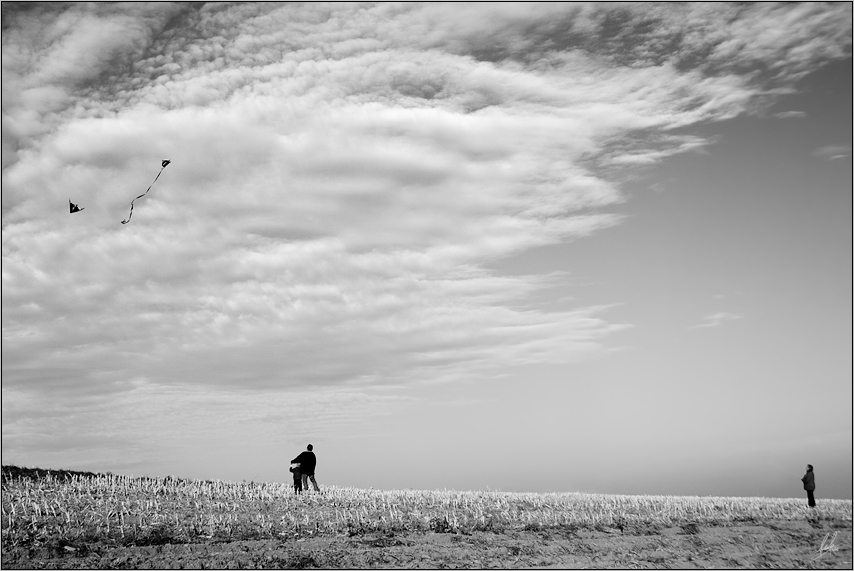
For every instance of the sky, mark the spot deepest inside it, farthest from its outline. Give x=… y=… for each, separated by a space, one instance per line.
x=597 y=248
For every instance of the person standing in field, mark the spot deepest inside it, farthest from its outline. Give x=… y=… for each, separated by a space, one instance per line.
x=809 y=485
x=307 y=462
x=295 y=470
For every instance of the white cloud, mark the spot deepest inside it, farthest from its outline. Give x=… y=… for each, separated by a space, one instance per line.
x=790 y=115
x=833 y=152
x=716 y=319
x=150 y=427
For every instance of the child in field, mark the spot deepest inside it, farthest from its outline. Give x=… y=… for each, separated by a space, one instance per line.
x=809 y=485
x=294 y=469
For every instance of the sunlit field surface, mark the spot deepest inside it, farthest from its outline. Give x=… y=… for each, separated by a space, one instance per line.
x=150 y=511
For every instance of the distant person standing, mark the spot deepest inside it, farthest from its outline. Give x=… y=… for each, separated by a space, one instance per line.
x=307 y=462
x=809 y=485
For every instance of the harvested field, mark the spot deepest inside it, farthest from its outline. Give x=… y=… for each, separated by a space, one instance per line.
x=63 y=520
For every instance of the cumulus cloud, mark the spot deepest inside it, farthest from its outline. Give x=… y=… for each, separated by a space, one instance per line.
x=340 y=176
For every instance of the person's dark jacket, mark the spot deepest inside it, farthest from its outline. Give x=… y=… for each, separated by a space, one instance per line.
x=808 y=480
x=307 y=461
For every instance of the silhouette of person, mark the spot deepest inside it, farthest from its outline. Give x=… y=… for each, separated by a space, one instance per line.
x=307 y=462
x=809 y=485
x=295 y=470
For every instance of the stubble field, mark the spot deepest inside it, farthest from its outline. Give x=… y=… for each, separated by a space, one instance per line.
x=67 y=520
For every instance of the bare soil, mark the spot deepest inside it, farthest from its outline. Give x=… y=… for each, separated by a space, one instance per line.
x=808 y=544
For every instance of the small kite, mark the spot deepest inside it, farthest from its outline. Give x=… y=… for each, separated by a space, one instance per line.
x=73 y=207
x=162 y=166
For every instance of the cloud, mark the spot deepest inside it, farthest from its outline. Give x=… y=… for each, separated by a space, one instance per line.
x=54 y=54
x=716 y=319
x=790 y=115
x=150 y=426
x=341 y=175
x=833 y=152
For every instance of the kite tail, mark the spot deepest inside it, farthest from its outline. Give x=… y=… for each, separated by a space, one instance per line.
x=131 y=213
x=144 y=193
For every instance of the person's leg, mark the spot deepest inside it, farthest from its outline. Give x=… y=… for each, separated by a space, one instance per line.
x=313 y=483
x=305 y=482
x=811 y=498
